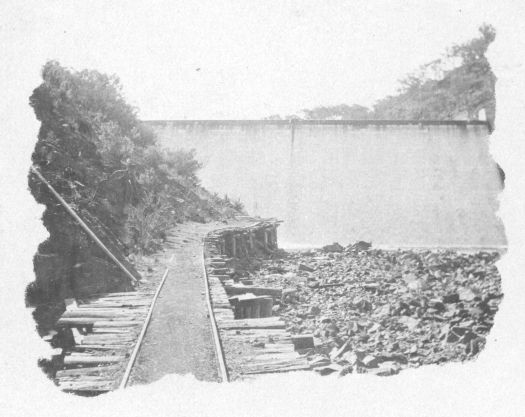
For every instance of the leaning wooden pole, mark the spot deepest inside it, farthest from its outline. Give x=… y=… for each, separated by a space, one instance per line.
x=82 y=224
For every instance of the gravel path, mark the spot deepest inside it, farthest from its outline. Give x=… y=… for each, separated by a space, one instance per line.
x=179 y=338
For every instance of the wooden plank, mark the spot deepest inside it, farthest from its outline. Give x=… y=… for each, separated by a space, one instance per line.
x=87 y=378
x=136 y=296
x=93 y=321
x=114 y=330
x=274 y=357
x=118 y=294
x=102 y=386
x=115 y=336
x=263 y=323
x=100 y=313
x=94 y=370
x=275 y=334
x=108 y=336
x=118 y=338
x=132 y=308
x=275 y=368
x=133 y=298
x=222 y=305
x=112 y=305
x=112 y=299
x=102 y=346
x=86 y=320
x=273 y=348
x=81 y=359
x=220 y=277
x=116 y=302
x=244 y=289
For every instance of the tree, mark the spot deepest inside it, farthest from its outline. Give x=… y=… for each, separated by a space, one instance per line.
x=437 y=92
x=100 y=157
x=459 y=85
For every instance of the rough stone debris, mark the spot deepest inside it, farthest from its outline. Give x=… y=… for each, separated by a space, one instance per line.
x=381 y=311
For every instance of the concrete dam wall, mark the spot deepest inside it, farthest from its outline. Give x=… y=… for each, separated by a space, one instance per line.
x=392 y=183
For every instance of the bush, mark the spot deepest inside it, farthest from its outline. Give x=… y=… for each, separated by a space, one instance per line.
x=99 y=156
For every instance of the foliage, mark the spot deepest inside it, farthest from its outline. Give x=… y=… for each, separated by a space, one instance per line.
x=458 y=85
x=440 y=92
x=98 y=155
x=148 y=221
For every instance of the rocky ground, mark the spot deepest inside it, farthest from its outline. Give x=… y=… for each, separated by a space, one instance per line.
x=380 y=311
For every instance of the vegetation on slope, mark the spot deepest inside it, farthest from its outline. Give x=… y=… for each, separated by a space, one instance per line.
x=107 y=164
x=458 y=85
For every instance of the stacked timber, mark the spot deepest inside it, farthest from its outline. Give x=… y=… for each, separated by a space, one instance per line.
x=105 y=329
x=259 y=237
x=254 y=341
x=251 y=306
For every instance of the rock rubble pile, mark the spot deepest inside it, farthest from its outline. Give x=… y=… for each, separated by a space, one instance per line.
x=379 y=311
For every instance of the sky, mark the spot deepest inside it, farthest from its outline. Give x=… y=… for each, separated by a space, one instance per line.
x=241 y=59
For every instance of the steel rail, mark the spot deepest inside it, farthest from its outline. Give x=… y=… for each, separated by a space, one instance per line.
x=127 y=373
x=223 y=371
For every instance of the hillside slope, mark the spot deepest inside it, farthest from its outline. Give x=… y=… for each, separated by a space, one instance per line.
x=99 y=157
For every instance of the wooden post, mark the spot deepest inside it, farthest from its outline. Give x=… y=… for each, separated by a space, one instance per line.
x=266 y=306
x=83 y=225
x=245 y=245
x=250 y=237
x=234 y=246
x=265 y=240
x=271 y=232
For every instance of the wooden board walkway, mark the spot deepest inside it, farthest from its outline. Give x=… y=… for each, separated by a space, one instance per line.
x=105 y=329
x=265 y=345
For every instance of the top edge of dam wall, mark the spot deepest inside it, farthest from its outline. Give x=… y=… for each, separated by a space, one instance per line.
x=362 y=122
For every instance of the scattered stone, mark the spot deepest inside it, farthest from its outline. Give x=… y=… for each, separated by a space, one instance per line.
x=338 y=352
x=466 y=294
x=370 y=361
x=363 y=305
x=371 y=286
x=329 y=369
x=359 y=246
x=409 y=322
x=451 y=298
x=315 y=310
x=334 y=247
x=319 y=361
x=303 y=267
x=397 y=309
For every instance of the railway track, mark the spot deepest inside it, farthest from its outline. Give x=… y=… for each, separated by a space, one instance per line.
x=108 y=330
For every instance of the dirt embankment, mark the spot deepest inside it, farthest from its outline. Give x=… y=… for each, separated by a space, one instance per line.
x=381 y=311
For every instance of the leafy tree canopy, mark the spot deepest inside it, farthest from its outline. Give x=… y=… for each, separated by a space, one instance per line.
x=456 y=86
x=98 y=155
